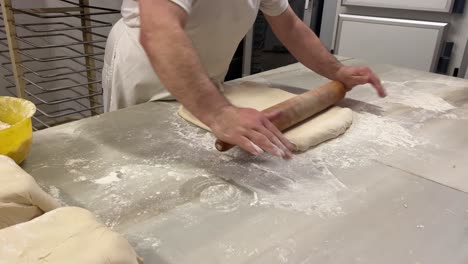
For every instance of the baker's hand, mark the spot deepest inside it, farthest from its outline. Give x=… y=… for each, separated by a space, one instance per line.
x=251 y=130
x=352 y=76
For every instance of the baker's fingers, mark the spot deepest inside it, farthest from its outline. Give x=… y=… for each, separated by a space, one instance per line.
x=247 y=145
x=358 y=80
x=276 y=141
x=371 y=79
x=263 y=142
x=360 y=70
x=366 y=75
x=375 y=81
x=269 y=125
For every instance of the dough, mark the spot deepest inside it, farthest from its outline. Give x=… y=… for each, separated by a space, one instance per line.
x=327 y=125
x=21 y=199
x=4 y=125
x=322 y=127
x=65 y=235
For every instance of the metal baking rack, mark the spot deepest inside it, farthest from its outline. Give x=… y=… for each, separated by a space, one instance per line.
x=54 y=56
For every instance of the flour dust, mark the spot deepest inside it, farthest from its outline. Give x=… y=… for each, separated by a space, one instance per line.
x=302 y=185
x=400 y=94
x=307 y=184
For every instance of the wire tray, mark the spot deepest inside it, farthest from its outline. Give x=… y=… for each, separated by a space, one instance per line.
x=60 y=56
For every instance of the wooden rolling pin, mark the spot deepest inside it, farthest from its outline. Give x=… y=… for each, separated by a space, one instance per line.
x=300 y=107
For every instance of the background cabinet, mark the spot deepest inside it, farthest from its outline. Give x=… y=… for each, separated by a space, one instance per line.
x=417 y=16
x=408 y=43
x=421 y=5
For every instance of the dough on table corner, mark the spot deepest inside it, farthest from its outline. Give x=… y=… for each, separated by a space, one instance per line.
x=327 y=125
x=21 y=198
x=69 y=235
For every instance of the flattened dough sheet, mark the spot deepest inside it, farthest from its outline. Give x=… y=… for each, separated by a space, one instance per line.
x=322 y=127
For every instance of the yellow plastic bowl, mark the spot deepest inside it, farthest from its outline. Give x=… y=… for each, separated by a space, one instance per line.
x=16 y=140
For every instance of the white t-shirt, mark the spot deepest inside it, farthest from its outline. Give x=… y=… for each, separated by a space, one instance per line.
x=215 y=27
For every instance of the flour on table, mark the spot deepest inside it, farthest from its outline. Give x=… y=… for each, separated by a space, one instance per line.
x=450 y=116
x=111 y=178
x=214 y=193
x=270 y=182
x=319 y=190
x=54 y=192
x=80 y=179
x=274 y=185
x=72 y=162
x=150 y=242
x=369 y=137
x=398 y=93
x=218 y=196
x=232 y=251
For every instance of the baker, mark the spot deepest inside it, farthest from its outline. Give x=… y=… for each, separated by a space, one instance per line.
x=166 y=49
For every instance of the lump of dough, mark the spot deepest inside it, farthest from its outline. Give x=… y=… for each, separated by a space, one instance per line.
x=65 y=235
x=320 y=128
x=21 y=199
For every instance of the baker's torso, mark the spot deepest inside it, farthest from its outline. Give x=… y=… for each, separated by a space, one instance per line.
x=215 y=27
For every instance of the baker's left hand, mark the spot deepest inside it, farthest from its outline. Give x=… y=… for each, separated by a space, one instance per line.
x=351 y=76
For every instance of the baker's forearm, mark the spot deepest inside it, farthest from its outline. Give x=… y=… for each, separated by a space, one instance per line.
x=177 y=65
x=309 y=50
x=304 y=45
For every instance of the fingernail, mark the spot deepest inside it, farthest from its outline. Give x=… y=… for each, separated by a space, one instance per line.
x=281 y=146
x=279 y=152
x=293 y=147
x=258 y=150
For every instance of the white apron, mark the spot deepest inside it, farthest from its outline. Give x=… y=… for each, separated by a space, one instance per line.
x=215 y=28
x=127 y=75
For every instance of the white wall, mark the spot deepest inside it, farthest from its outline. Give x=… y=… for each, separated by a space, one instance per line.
x=458 y=29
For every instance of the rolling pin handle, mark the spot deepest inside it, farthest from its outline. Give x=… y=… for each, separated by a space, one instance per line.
x=222 y=146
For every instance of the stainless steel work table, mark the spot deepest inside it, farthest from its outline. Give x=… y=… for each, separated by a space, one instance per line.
x=393 y=189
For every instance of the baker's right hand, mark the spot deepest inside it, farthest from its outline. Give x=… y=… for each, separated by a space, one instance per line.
x=251 y=130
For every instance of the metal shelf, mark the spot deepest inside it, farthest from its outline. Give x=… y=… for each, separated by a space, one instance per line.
x=55 y=60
